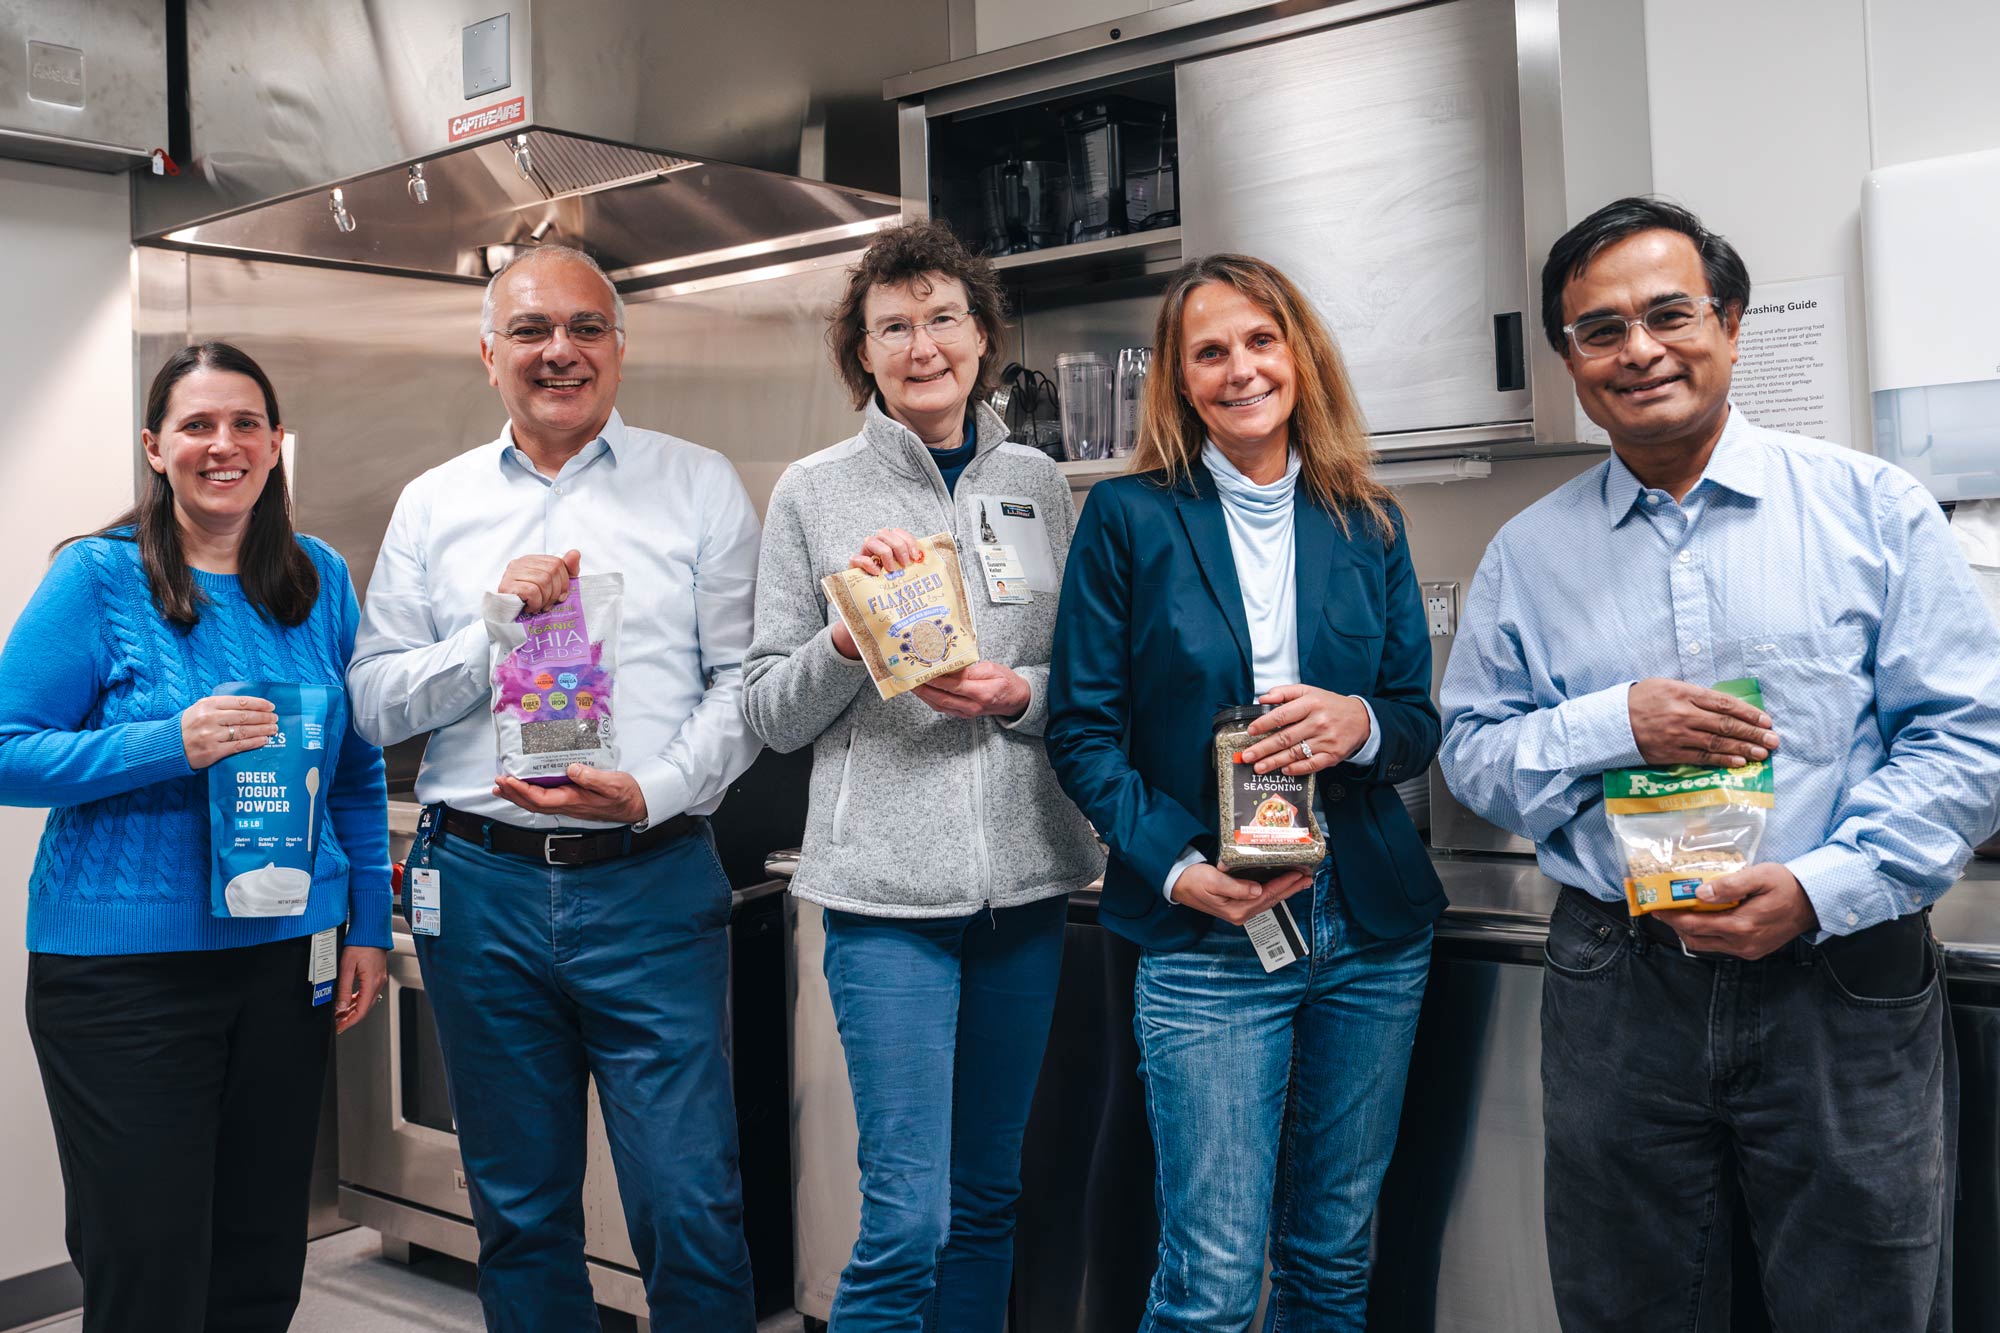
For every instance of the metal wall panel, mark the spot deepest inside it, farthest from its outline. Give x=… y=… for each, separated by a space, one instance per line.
x=380 y=377
x=83 y=83
x=1379 y=165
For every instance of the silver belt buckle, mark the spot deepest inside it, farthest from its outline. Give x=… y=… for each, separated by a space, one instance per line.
x=549 y=847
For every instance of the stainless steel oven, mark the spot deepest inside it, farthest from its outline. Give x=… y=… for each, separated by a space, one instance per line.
x=399 y=1164
x=400 y=1171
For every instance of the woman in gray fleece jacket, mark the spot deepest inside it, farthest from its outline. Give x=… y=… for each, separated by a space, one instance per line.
x=937 y=839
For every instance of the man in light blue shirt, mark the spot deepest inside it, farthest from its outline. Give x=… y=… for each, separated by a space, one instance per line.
x=1799 y=1037
x=578 y=929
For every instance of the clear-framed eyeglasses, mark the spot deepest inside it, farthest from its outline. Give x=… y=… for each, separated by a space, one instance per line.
x=1668 y=322
x=584 y=331
x=944 y=328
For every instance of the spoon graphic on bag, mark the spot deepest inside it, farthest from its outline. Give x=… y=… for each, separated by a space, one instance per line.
x=312 y=804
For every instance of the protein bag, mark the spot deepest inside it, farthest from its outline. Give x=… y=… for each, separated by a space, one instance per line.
x=552 y=679
x=263 y=807
x=1686 y=825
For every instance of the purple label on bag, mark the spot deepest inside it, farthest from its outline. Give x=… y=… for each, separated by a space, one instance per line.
x=555 y=683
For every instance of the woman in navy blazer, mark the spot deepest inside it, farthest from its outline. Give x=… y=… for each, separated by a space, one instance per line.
x=1252 y=556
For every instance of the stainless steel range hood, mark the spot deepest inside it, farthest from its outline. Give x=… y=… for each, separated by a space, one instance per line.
x=673 y=141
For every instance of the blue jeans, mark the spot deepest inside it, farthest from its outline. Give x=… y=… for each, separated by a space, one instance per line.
x=542 y=978
x=943 y=1021
x=1274 y=1099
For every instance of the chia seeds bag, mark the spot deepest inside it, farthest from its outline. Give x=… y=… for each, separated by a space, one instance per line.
x=1686 y=825
x=552 y=679
x=264 y=807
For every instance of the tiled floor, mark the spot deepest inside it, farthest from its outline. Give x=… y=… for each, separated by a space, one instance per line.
x=350 y=1288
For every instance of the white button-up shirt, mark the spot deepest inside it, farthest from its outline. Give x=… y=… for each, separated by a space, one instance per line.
x=670 y=516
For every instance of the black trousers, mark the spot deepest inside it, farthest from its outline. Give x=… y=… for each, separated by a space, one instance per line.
x=184 y=1090
x=1818 y=1086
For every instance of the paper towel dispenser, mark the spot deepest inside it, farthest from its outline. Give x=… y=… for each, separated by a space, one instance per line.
x=1932 y=276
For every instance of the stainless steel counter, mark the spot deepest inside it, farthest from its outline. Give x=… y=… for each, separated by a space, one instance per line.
x=1507 y=900
x=1460 y=1242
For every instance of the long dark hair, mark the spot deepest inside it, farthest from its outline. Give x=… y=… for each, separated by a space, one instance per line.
x=277 y=576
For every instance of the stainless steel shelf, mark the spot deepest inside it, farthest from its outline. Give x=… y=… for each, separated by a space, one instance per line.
x=1084 y=471
x=1139 y=249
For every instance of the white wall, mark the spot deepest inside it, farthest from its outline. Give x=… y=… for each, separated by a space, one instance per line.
x=65 y=467
x=1766 y=116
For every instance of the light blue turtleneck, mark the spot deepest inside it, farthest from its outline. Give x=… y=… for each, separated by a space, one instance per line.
x=1261 y=541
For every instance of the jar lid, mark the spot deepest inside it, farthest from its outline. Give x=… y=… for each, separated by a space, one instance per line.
x=1082 y=359
x=1239 y=713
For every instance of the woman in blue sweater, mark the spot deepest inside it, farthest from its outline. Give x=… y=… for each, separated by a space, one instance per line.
x=183 y=1054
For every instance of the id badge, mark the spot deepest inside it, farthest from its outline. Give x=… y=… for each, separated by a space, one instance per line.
x=1006 y=576
x=1015 y=530
x=322 y=966
x=424 y=908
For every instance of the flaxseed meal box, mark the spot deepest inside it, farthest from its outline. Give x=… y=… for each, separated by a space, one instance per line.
x=1686 y=825
x=911 y=624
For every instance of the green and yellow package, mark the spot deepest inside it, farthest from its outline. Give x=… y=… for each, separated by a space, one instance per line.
x=1686 y=825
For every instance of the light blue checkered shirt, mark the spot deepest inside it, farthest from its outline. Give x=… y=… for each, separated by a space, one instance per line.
x=1828 y=575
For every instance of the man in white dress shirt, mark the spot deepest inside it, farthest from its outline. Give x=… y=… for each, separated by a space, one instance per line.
x=579 y=928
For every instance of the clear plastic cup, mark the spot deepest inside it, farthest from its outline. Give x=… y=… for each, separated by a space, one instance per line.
x=1084 y=392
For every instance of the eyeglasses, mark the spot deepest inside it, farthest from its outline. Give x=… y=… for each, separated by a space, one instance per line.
x=584 y=331
x=896 y=334
x=1668 y=322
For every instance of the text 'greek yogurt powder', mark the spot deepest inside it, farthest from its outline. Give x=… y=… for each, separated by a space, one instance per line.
x=264 y=807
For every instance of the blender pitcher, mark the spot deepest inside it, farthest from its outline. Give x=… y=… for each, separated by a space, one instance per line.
x=1084 y=390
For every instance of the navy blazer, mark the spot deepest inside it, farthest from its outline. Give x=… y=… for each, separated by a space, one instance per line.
x=1151 y=640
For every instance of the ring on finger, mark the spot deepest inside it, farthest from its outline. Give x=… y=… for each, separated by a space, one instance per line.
x=232 y=735
x=1306 y=749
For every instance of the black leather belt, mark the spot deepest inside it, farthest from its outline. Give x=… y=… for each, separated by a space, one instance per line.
x=1656 y=931
x=1659 y=933
x=564 y=847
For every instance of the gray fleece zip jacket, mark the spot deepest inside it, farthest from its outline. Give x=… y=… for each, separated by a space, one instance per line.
x=913 y=814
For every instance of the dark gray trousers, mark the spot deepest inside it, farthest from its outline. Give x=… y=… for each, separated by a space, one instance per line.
x=1818 y=1085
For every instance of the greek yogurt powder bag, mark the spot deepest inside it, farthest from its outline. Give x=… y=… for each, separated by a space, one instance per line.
x=264 y=807
x=552 y=679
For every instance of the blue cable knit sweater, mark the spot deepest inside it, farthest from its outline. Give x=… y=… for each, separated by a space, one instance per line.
x=93 y=681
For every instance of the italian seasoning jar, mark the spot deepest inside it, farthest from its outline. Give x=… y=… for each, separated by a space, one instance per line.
x=1265 y=821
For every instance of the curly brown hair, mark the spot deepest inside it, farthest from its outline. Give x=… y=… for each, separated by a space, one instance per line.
x=913 y=253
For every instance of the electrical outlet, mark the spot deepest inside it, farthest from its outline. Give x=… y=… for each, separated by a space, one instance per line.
x=1441 y=609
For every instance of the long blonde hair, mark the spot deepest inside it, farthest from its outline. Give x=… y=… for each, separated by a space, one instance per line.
x=1335 y=461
